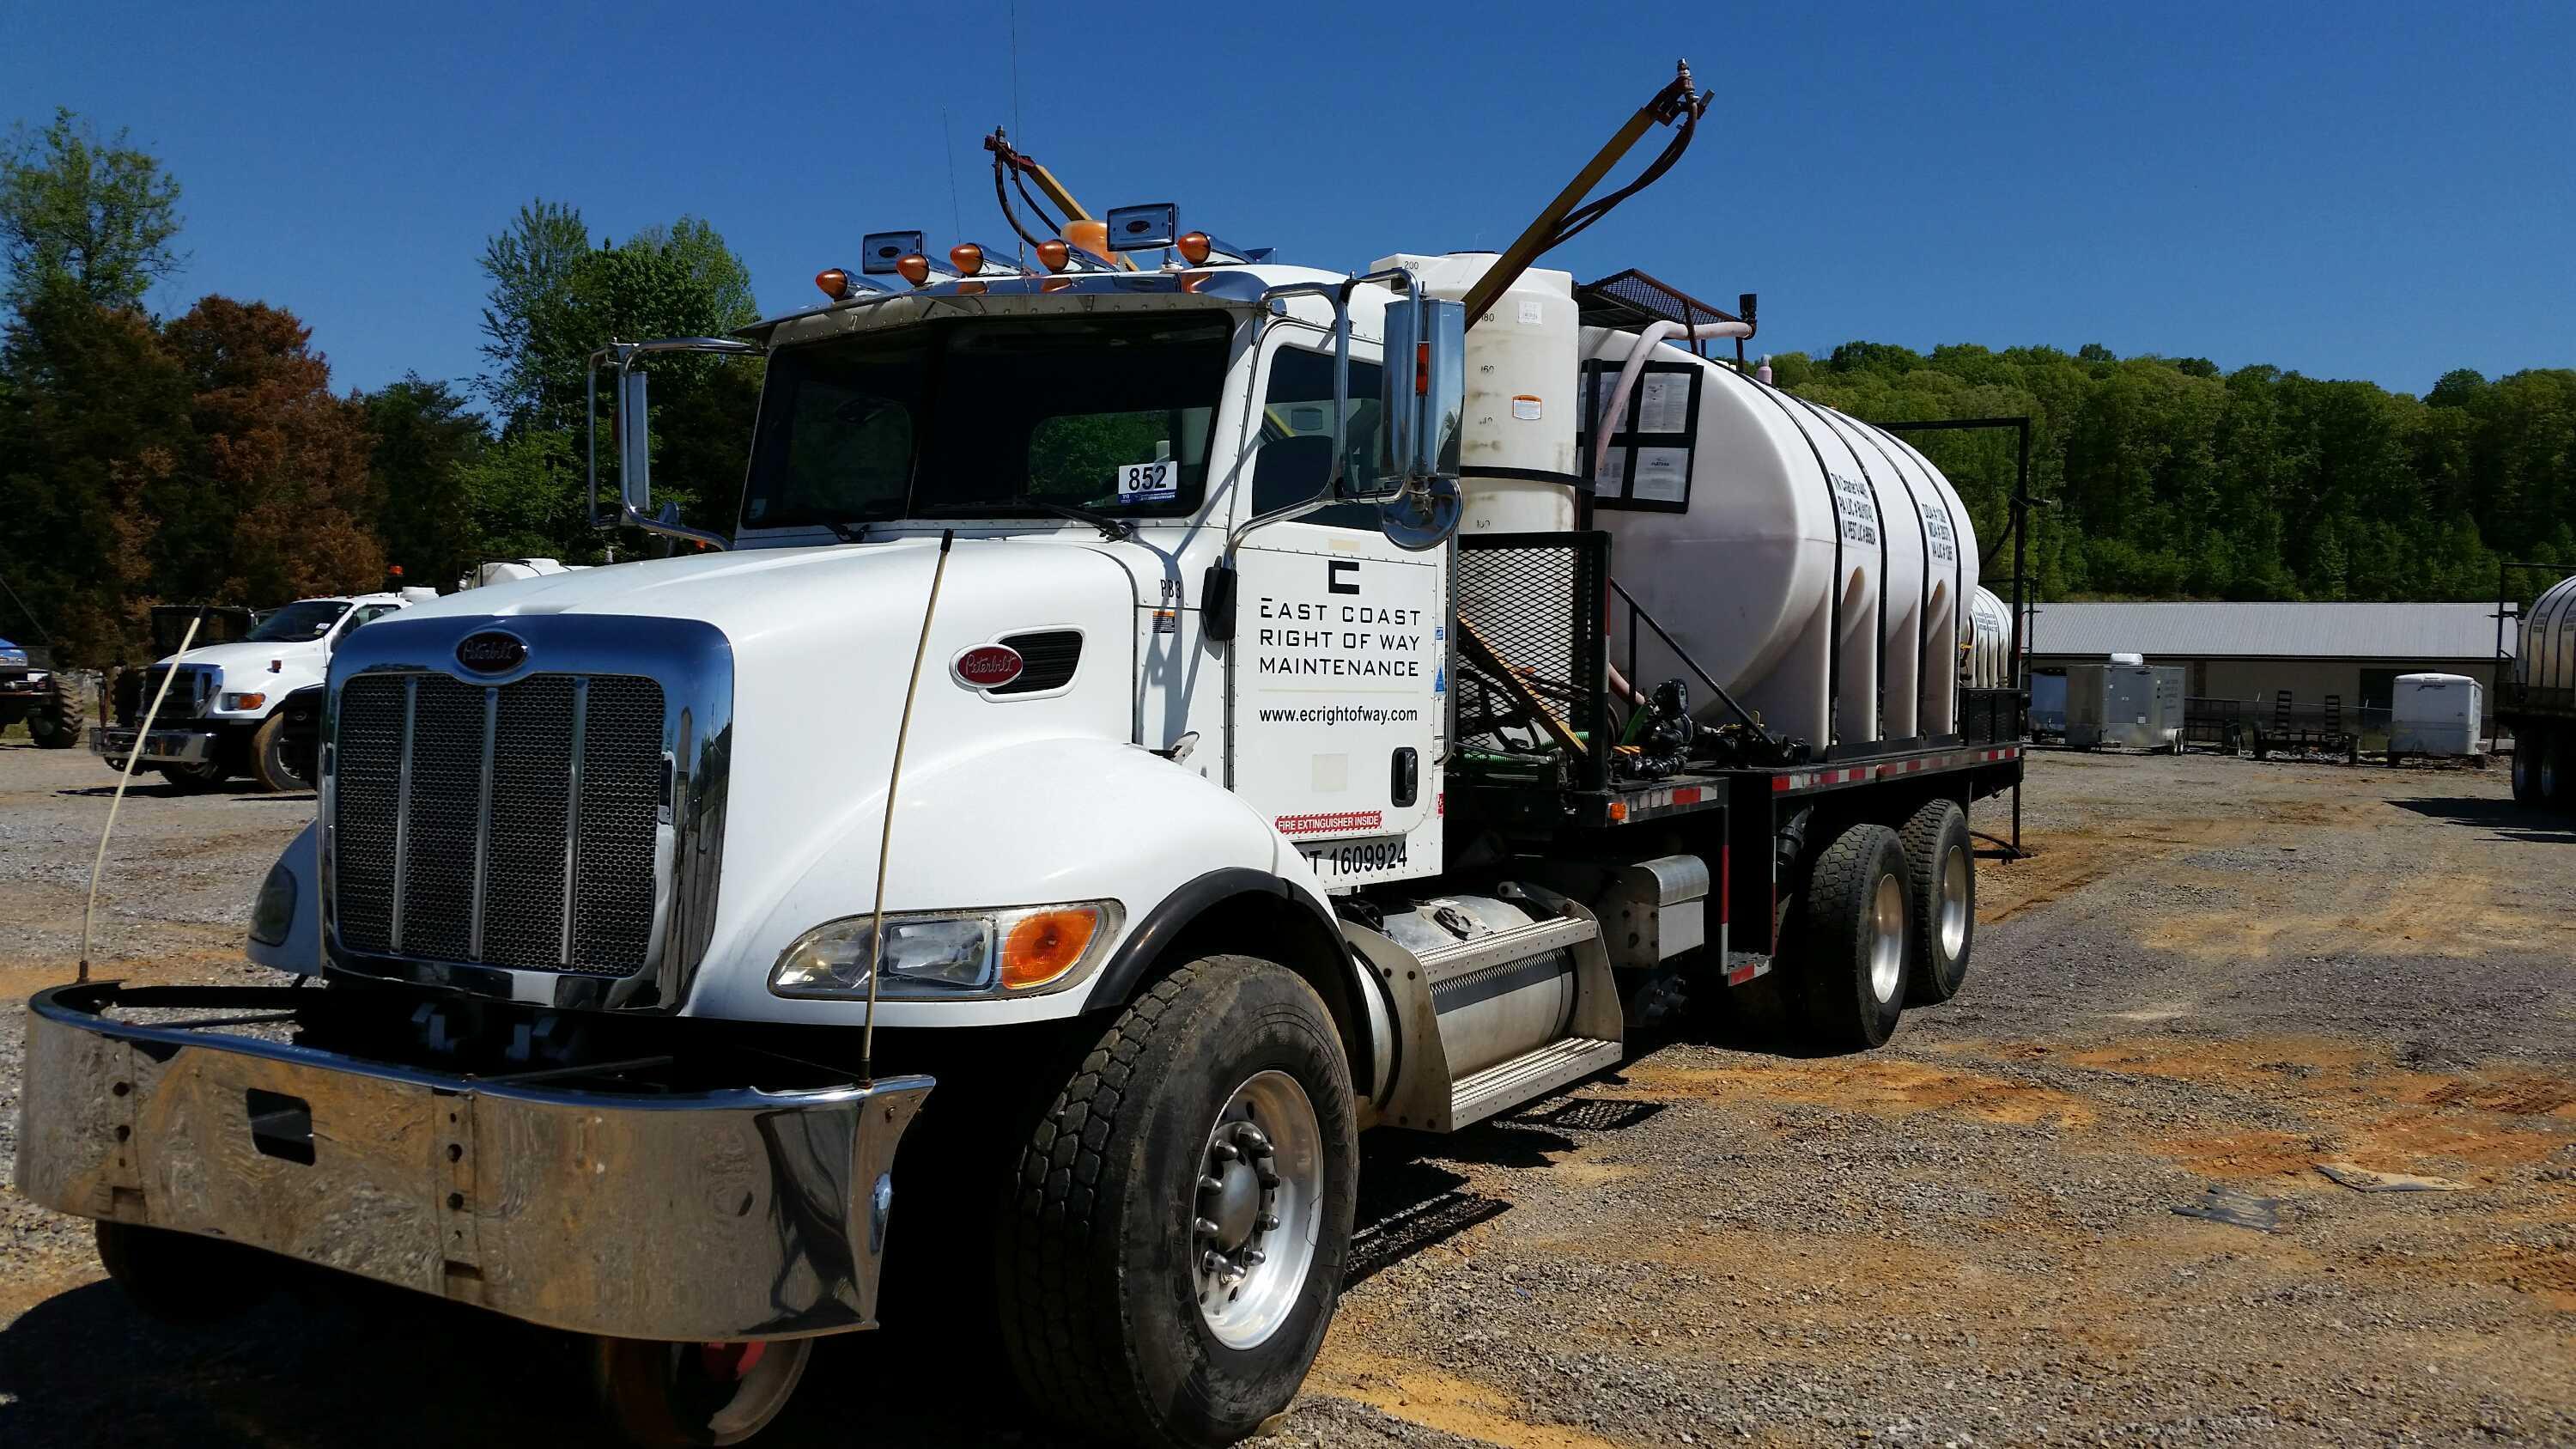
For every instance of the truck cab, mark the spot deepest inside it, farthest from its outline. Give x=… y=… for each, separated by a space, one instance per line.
x=227 y=709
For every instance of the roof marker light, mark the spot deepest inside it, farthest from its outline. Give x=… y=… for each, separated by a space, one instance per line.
x=914 y=268
x=834 y=281
x=1055 y=254
x=967 y=258
x=1194 y=248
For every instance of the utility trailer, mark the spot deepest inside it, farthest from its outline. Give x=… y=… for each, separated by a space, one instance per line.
x=1160 y=724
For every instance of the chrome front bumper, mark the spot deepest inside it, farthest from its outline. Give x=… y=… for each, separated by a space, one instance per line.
x=161 y=747
x=711 y=1215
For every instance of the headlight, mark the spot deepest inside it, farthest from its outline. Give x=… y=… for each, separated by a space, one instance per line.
x=273 y=915
x=948 y=953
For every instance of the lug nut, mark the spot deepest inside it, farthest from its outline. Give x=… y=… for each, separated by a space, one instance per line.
x=1212 y=1262
x=1252 y=1258
x=1211 y=1184
x=1267 y=1222
x=1205 y=1228
x=1224 y=1152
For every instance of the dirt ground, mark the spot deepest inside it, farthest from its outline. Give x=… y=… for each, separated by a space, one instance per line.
x=2215 y=978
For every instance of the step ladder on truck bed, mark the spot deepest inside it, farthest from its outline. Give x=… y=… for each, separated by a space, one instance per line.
x=1468 y=1011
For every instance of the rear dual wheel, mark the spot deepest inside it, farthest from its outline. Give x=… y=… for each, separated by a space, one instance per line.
x=1848 y=933
x=1941 y=869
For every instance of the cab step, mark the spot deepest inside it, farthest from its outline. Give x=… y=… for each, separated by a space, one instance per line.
x=1525 y=1078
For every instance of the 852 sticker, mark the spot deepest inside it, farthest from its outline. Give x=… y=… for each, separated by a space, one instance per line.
x=1149 y=482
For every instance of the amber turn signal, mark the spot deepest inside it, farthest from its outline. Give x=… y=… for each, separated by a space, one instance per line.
x=1054 y=255
x=914 y=268
x=1044 y=945
x=967 y=258
x=1194 y=247
x=834 y=282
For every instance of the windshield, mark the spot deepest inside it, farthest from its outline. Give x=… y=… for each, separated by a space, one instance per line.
x=961 y=417
x=302 y=620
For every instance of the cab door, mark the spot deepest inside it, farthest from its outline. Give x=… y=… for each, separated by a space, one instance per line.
x=1337 y=689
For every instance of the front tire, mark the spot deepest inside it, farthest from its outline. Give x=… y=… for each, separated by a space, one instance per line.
x=59 y=719
x=272 y=757
x=2526 y=768
x=182 y=1279
x=193 y=779
x=1941 y=867
x=1174 y=1240
x=1851 y=924
x=683 y=1395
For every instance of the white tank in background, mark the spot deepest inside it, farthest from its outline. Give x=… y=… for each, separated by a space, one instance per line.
x=1987 y=661
x=1813 y=564
x=1516 y=452
x=510 y=570
x=2547 y=659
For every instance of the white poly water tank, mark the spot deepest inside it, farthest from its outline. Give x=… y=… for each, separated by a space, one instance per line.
x=1813 y=564
x=2548 y=656
x=1516 y=450
x=1988 y=660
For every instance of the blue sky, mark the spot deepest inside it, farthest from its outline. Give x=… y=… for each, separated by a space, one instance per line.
x=2350 y=190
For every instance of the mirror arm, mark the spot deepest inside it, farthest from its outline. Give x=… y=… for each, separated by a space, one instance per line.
x=624 y=355
x=1397 y=280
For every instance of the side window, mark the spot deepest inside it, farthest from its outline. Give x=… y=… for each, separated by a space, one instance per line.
x=1296 y=454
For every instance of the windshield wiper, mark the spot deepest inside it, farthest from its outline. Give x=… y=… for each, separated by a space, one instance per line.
x=1109 y=527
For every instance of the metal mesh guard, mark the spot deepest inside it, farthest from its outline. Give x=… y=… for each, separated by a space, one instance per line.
x=1532 y=600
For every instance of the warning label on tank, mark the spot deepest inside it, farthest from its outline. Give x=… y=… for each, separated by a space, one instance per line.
x=1936 y=529
x=1859 y=511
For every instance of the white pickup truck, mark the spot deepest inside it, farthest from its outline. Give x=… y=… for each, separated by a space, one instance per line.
x=226 y=713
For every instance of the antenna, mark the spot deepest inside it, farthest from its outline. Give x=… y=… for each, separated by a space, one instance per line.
x=948 y=142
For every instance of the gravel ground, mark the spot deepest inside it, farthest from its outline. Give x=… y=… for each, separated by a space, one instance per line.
x=2214 y=976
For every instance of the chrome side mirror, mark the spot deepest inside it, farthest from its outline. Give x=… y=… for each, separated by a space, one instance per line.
x=1424 y=407
x=1425 y=374
x=634 y=443
x=631 y=435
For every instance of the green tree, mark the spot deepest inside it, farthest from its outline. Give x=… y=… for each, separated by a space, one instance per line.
x=425 y=438
x=94 y=420
x=556 y=298
x=95 y=215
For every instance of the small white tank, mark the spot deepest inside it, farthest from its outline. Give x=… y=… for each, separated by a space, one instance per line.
x=1818 y=567
x=1516 y=451
x=2547 y=659
x=1987 y=661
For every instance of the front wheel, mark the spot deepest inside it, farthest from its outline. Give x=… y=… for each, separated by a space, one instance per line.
x=60 y=718
x=1173 y=1243
x=180 y=1278
x=273 y=757
x=682 y=1395
x=194 y=779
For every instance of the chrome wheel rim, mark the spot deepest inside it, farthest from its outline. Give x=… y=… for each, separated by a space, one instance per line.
x=1256 y=1209
x=1954 y=902
x=1887 y=938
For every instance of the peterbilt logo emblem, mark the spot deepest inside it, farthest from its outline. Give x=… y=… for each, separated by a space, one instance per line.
x=491 y=652
x=988 y=666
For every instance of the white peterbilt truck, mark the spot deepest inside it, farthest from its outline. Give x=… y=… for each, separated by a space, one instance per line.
x=227 y=711
x=1149 y=726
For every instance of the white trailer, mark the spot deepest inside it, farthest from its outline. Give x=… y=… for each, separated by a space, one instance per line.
x=2125 y=703
x=1150 y=725
x=2436 y=716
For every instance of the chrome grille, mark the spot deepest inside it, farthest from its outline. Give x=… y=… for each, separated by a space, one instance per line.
x=520 y=820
